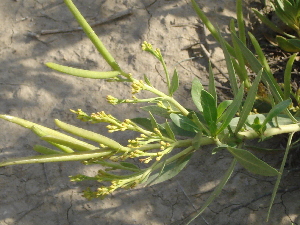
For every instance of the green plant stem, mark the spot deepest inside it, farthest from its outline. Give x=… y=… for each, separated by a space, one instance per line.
x=94 y=38
x=167 y=98
x=291 y=128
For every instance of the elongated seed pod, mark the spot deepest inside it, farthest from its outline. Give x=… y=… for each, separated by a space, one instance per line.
x=89 y=135
x=43 y=131
x=40 y=133
x=78 y=145
x=83 y=73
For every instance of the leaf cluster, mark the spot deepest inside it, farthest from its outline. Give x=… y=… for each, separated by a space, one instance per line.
x=288 y=11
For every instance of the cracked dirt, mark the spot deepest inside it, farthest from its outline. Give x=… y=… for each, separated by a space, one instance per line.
x=42 y=193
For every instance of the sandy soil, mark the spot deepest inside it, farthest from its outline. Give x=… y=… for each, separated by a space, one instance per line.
x=42 y=193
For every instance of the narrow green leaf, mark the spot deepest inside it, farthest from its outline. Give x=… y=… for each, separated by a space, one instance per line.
x=209 y=104
x=252 y=163
x=196 y=93
x=144 y=122
x=241 y=21
x=44 y=150
x=287 y=77
x=211 y=84
x=283 y=163
x=129 y=165
x=57 y=157
x=232 y=110
x=276 y=110
x=156 y=110
x=239 y=64
x=181 y=132
x=184 y=123
x=222 y=106
x=216 y=192
x=196 y=119
x=267 y=76
x=295 y=42
x=286 y=45
x=266 y=21
x=154 y=124
x=174 y=83
x=169 y=171
x=83 y=73
x=256 y=66
x=263 y=61
x=169 y=131
x=230 y=68
x=146 y=79
x=249 y=102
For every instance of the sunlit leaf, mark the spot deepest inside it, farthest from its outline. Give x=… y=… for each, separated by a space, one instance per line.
x=249 y=102
x=222 y=106
x=184 y=123
x=276 y=110
x=231 y=110
x=252 y=163
x=169 y=131
x=196 y=93
x=239 y=63
x=181 y=132
x=210 y=114
x=174 y=83
x=230 y=68
x=169 y=171
x=256 y=66
x=287 y=77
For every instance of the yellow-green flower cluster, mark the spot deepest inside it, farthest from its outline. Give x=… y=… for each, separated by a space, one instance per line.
x=119 y=126
x=124 y=182
x=137 y=86
x=112 y=100
x=148 y=48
